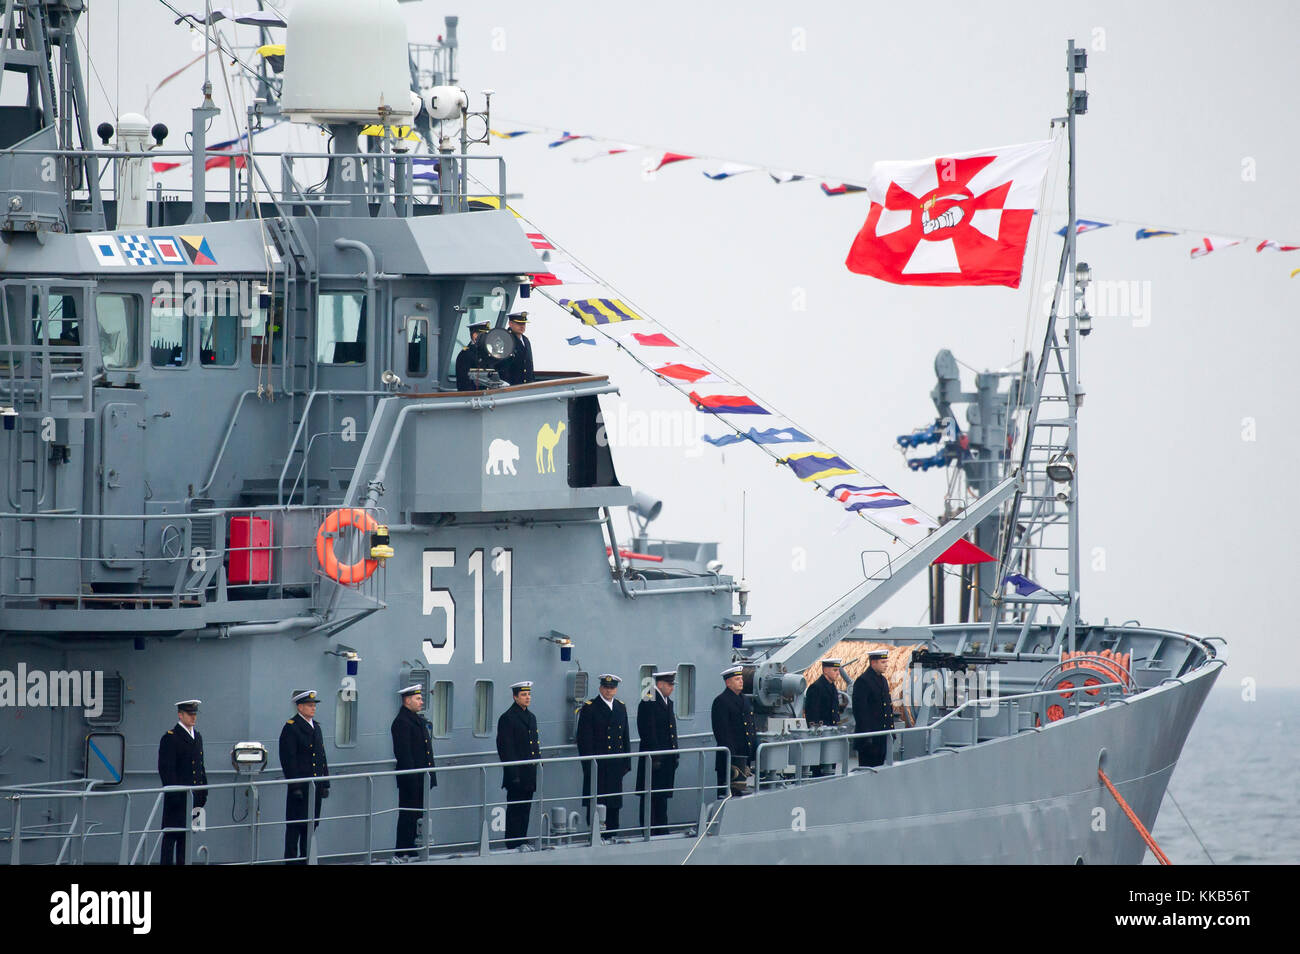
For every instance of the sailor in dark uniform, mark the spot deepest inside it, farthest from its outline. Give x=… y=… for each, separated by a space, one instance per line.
x=518 y=368
x=517 y=742
x=413 y=749
x=821 y=705
x=180 y=762
x=602 y=730
x=302 y=755
x=656 y=725
x=735 y=729
x=472 y=356
x=873 y=709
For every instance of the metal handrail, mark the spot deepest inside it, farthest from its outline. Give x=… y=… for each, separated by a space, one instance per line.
x=928 y=728
x=257 y=786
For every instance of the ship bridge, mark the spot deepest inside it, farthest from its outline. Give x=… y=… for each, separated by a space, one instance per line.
x=191 y=384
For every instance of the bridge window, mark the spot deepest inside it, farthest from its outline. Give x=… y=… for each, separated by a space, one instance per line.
x=119 y=330
x=483 y=708
x=684 y=694
x=169 y=332
x=257 y=332
x=219 y=330
x=341 y=328
x=62 y=323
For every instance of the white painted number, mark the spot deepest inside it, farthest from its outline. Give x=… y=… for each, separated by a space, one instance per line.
x=439 y=597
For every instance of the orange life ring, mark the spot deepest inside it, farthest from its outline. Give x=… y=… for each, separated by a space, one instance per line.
x=346 y=573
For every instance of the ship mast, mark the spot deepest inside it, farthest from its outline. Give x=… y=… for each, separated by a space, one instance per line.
x=1047 y=499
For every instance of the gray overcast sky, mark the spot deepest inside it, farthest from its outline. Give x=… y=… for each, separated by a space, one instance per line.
x=1196 y=523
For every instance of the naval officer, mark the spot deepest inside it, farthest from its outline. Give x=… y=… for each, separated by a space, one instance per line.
x=821 y=705
x=518 y=368
x=472 y=356
x=734 y=729
x=873 y=709
x=413 y=749
x=302 y=755
x=656 y=724
x=517 y=742
x=180 y=762
x=602 y=730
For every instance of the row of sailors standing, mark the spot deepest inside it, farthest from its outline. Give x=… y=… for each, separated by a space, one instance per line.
x=516 y=369
x=602 y=729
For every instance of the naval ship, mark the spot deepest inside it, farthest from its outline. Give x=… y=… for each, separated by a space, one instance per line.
x=236 y=465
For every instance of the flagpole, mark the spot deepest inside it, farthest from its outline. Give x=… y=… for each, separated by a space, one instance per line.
x=1075 y=63
x=1035 y=476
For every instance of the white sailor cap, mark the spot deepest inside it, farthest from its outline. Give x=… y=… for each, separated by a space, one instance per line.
x=833 y=662
x=878 y=654
x=410 y=690
x=668 y=675
x=521 y=686
x=305 y=695
x=732 y=671
x=609 y=681
x=189 y=705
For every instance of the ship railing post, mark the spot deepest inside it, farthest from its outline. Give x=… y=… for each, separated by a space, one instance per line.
x=81 y=842
x=370 y=818
x=484 y=844
x=426 y=826
x=15 y=854
x=647 y=797
x=541 y=802
x=123 y=850
x=311 y=821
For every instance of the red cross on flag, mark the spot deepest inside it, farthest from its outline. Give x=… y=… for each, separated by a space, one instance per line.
x=951 y=220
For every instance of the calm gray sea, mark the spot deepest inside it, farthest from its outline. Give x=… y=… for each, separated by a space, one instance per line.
x=1238 y=783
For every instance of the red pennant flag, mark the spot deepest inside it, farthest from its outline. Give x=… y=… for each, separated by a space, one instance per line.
x=959 y=220
x=544 y=278
x=682 y=372
x=223 y=162
x=160 y=166
x=654 y=341
x=963 y=552
x=669 y=158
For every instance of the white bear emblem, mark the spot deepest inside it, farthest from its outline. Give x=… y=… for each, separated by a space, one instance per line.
x=502 y=453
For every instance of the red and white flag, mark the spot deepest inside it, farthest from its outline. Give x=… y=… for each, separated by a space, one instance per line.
x=951 y=220
x=1212 y=243
x=1276 y=246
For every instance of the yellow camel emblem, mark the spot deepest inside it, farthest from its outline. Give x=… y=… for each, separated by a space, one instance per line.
x=547 y=438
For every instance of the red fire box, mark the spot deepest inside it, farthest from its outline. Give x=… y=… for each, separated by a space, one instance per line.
x=250 y=550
